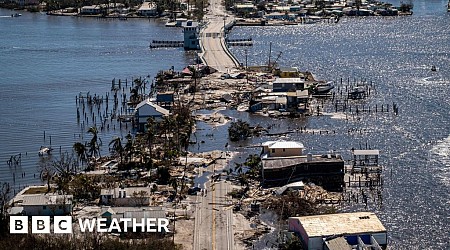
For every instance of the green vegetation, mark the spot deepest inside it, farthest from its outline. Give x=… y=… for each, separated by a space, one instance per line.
x=292 y=244
x=239 y=130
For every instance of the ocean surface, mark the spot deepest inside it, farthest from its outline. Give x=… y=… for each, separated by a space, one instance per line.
x=45 y=61
x=396 y=54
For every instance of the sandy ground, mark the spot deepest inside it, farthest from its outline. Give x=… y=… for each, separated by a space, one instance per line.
x=241 y=229
x=184 y=233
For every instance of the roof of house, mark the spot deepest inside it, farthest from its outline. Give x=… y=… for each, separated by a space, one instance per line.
x=366 y=152
x=154 y=105
x=90 y=7
x=129 y=191
x=283 y=144
x=122 y=210
x=289 y=80
x=245 y=5
x=142 y=214
x=298 y=185
x=189 y=24
x=340 y=224
x=45 y=199
x=147 y=6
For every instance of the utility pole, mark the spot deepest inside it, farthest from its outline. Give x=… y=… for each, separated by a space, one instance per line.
x=246 y=66
x=270 y=54
x=224 y=19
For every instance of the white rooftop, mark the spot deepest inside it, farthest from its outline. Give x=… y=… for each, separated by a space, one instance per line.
x=147 y=6
x=283 y=144
x=45 y=199
x=154 y=105
x=129 y=191
x=366 y=152
x=289 y=80
x=340 y=224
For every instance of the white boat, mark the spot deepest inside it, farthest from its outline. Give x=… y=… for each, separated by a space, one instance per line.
x=45 y=151
x=323 y=88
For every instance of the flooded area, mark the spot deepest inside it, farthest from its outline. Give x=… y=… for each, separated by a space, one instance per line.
x=41 y=76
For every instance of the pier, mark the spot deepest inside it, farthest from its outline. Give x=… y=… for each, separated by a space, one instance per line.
x=165 y=44
x=239 y=42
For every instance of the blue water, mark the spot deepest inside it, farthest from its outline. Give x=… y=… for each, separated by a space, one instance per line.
x=397 y=55
x=46 y=61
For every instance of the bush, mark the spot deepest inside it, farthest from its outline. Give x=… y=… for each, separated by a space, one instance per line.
x=239 y=130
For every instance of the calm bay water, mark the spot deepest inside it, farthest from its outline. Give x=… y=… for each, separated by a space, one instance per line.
x=46 y=61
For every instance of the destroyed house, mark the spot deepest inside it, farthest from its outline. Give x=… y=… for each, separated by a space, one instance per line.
x=283 y=163
x=360 y=230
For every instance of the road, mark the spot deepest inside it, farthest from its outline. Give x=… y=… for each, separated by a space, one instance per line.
x=214 y=218
x=213 y=41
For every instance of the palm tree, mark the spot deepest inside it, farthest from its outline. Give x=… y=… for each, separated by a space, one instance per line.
x=64 y=169
x=134 y=95
x=46 y=171
x=129 y=148
x=81 y=151
x=94 y=144
x=150 y=136
x=168 y=124
x=117 y=147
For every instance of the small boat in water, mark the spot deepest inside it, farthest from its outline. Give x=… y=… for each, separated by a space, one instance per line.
x=433 y=68
x=45 y=151
x=358 y=92
x=16 y=15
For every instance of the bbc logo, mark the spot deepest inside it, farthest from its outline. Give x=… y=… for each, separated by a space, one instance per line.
x=40 y=224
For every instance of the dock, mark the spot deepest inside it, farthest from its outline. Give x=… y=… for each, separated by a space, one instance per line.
x=239 y=42
x=165 y=44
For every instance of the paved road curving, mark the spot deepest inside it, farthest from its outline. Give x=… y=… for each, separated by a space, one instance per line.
x=212 y=38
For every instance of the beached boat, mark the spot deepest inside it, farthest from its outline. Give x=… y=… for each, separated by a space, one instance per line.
x=323 y=88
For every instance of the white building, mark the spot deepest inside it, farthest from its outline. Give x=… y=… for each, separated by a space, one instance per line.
x=44 y=204
x=137 y=213
x=282 y=148
x=91 y=10
x=361 y=229
x=288 y=84
x=191 y=32
x=129 y=196
x=147 y=109
x=148 y=9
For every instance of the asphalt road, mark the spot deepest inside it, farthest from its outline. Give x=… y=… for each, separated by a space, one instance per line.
x=213 y=41
x=214 y=218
